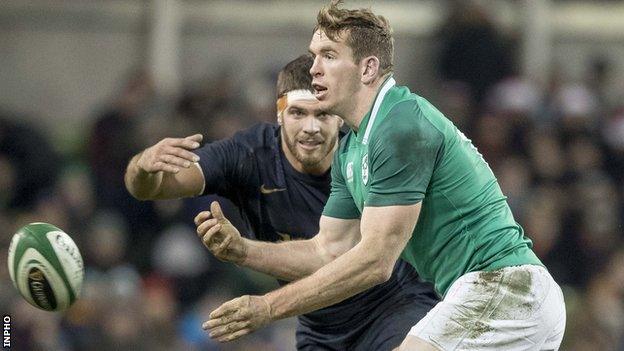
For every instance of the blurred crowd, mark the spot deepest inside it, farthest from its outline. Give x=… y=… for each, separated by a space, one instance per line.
x=556 y=146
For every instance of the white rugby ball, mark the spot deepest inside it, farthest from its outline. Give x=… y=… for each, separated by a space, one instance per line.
x=45 y=266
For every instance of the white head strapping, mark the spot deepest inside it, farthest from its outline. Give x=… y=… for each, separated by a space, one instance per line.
x=294 y=95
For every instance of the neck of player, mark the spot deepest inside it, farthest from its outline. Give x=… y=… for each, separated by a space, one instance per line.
x=362 y=103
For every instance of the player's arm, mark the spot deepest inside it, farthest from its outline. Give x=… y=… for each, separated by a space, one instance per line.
x=385 y=232
x=290 y=260
x=166 y=170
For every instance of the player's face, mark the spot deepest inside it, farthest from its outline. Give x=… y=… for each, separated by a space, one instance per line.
x=309 y=133
x=335 y=74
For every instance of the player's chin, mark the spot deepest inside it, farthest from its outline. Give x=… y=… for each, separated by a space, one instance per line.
x=310 y=159
x=326 y=103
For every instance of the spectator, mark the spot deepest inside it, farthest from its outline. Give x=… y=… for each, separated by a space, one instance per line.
x=473 y=50
x=25 y=154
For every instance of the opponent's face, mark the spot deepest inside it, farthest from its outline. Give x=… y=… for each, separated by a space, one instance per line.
x=335 y=74
x=309 y=134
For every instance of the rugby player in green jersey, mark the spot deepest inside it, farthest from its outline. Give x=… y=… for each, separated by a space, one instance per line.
x=405 y=183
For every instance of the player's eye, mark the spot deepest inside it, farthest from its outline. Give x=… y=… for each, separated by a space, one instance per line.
x=297 y=112
x=323 y=116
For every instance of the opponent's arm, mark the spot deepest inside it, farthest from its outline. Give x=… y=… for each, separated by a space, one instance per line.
x=385 y=232
x=166 y=170
x=290 y=260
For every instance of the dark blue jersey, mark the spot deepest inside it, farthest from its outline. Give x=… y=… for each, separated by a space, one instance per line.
x=279 y=203
x=249 y=169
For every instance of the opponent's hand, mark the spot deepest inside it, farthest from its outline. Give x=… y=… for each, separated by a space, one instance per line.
x=220 y=236
x=238 y=317
x=170 y=154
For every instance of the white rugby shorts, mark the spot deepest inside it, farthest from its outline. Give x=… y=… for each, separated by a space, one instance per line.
x=513 y=308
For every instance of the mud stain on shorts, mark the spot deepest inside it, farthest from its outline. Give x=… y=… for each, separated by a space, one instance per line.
x=518 y=301
x=487 y=278
x=496 y=295
x=466 y=322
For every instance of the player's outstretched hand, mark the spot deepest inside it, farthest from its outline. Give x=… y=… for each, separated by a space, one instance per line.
x=170 y=154
x=220 y=236
x=238 y=317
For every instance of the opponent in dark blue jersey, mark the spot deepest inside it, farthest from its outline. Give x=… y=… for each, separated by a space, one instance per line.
x=278 y=176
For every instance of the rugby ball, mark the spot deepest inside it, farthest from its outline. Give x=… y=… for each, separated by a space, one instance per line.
x=45 y=266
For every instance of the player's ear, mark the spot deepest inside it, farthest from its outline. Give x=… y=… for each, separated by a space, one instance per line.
x=370 y=69
x=280 y=121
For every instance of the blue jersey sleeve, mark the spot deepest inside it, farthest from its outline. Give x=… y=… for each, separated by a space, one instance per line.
x=227 y=166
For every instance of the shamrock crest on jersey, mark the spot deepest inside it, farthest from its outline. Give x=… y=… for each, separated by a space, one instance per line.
x=350 y=172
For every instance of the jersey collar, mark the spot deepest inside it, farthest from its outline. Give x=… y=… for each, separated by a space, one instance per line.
x=369 y=119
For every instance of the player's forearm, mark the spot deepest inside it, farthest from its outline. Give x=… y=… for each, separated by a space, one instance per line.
x=353 y=272
x=141 y=184
x=291 y=260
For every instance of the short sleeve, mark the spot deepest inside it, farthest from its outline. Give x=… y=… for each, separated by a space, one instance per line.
x=226 y=165
x=340 y=203
x=403 y=155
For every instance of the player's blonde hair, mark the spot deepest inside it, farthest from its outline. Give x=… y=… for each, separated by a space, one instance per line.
x=367 y=34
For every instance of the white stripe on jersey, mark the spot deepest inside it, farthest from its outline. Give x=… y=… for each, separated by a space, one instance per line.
x=382 y=93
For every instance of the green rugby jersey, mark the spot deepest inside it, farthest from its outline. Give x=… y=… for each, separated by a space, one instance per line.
x=406 y=151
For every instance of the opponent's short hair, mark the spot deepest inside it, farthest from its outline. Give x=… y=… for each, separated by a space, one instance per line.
x=367 y=34
x=295 y=75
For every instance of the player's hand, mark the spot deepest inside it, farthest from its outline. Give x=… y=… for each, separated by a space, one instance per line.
x=220 y=236
x=238 y=317
x=170 y=155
